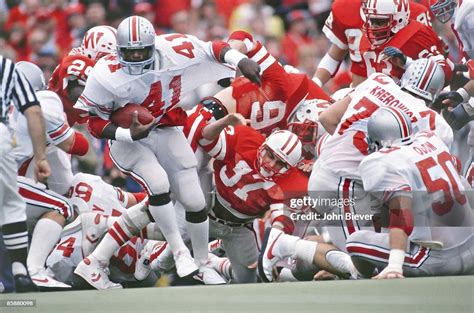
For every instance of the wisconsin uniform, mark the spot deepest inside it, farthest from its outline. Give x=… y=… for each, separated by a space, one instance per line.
x=424 y=171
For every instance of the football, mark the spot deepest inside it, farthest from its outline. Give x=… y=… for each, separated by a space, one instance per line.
x=123 y=116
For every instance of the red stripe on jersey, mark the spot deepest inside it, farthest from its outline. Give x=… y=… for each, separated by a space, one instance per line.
x=46 y=200
x=60 y=131
x=346 y=195
x=415 y=260
x=428 y=74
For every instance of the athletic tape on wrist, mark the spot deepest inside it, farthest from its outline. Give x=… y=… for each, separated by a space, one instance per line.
x=464 y=94
x=329 y=64
x=233 y=57
x=123 y=134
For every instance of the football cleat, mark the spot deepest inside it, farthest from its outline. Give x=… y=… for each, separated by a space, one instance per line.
x=94 y=226
x=210 y=276
x=23 y=283
x=268 y=258
x=44 y=279
x=221 y=265
x=95 y=273
x=155 y=256
x=185 y=266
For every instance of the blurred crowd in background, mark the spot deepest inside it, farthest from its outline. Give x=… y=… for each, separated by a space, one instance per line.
x=43 y=31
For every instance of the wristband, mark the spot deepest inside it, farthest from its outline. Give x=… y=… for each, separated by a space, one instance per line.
x=123 y=134
x=233 y=57
x=329 y=64
x=318 y=81
x=396 y=259
x=464 y=94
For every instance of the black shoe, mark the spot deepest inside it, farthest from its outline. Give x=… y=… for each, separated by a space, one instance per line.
x=23 y=283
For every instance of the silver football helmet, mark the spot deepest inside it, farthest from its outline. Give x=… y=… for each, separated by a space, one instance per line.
x=388 y=127
x=33 y=73
x=443 y=9
x=136 y=45
x=424 y=78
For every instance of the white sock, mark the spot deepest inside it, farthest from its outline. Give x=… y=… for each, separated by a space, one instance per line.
x=152 y=231
x=45 y=235
x=111 y=220
x=199 y=233
x=18 y=268
x=117 y=235
x=305 y=250
x=165 y=216
x=341 y=261
x=286 y=245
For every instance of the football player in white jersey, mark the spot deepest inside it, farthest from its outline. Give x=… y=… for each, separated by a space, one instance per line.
x=159 y=158
x=429 y=219
x=47 y=207
x=335 y=184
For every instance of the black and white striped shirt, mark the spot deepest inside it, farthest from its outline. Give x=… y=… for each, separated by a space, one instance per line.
x=14 y=87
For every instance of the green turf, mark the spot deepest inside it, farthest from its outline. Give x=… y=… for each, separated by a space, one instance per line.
x=436 y=294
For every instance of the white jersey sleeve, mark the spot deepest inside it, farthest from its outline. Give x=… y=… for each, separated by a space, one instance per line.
x=464 y=26
x=56 y=126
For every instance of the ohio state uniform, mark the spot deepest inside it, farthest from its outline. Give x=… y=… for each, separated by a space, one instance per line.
x=99 y=196
x=418 y=171
x=343 y=28
x=344 y=150
x=71 y=67
x=269 y=106
x=179 y=67
x=67 y=254
x=415 y=40
x=336 y=172
x=57 y=131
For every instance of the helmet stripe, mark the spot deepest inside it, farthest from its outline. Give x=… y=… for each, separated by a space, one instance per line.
x=427 y=74
x=287 y=144
x=134 y=30
x=404 y=130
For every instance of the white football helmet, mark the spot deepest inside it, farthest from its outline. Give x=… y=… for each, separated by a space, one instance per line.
x=33 y=73
x=443 y=9
x=304 y=121
x=136 y=45
x=98 y=42
x=383 y=18
x=281 y=151
x=424 y=78
x=388 y=127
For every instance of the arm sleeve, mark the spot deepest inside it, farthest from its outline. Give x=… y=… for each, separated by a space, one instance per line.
x=223 y=145
x=57 y=128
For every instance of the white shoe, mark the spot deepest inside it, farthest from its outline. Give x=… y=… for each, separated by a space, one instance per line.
x=185 y=265
x=94 y=226
x=267 y=258
x=44 y=279
x=219 y=264
x=210 y=276
x=95 y=274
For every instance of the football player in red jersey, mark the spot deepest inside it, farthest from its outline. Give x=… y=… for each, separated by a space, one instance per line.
x=343 y=28
x=271 y=105
x=69 y=77
x=252 y=175
x=387 y=26
x=68 y=81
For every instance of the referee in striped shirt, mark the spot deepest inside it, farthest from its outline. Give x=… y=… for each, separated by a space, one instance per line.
x=16 y=90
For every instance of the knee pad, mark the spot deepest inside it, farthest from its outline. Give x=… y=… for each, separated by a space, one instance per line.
x=196 y=217
x=160 y=199
x=136 y=218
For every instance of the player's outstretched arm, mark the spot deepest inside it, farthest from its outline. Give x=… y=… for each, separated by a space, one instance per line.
x=249 y=68
x=212 y=131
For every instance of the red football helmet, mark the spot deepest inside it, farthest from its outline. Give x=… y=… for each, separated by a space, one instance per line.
x=384 y=18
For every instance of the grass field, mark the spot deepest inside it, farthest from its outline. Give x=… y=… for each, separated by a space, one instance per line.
x=437 y=294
